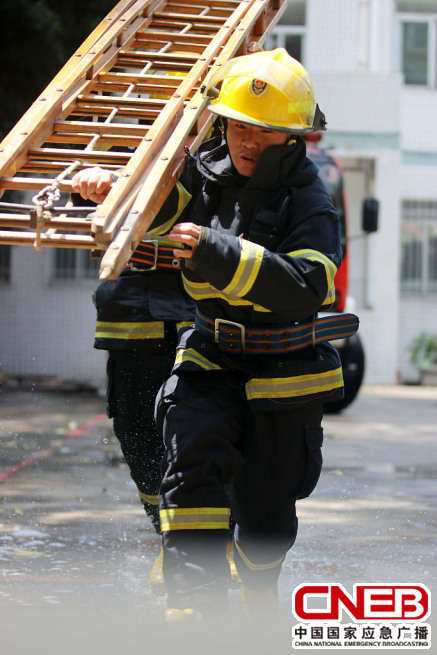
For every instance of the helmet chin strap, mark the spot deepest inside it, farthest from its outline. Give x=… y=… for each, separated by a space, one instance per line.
x=223 y=125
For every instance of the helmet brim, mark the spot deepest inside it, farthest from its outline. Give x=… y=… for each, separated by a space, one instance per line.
x=223 y=110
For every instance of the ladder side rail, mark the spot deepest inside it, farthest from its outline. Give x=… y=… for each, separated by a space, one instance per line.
x=168 y=168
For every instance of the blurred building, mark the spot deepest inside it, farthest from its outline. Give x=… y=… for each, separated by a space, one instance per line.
x=374 y=68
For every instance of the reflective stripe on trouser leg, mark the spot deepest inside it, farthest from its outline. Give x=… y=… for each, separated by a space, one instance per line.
x=259 y=560
x=195 y=518
x=151 y=507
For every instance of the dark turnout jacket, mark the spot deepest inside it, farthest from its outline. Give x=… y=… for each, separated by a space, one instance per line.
x=267 y=255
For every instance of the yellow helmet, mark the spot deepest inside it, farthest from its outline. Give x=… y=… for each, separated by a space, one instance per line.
x=268 y=89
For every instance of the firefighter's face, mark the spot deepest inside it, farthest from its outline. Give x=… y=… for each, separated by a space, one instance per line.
x=247 y=142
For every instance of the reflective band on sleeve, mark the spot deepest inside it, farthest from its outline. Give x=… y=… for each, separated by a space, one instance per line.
x=151 y=500
x=141 y=330
x=183 y=200
x=195 y=518
x=191 y=355
x=203 y=291
x=247 y=270
x=258 y=567
x=299 y=385
x=330 y=268
x=182 y=324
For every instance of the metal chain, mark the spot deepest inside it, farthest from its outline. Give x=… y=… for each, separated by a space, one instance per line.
x=51 y=194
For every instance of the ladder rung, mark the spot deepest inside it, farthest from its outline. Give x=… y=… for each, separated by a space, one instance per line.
x=52 y=240
x=114 y=101
x=139 y=113
x=55 y=168
x=70 y=224
x=71 y=155
x=92 y=127
x=194 y=19
x=106 y=140
x=175 y=37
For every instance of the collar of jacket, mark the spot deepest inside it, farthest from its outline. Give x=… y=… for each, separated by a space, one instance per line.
x=278 y=165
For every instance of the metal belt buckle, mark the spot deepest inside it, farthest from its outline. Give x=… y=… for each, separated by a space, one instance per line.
x=135 y=267
x=221 y=321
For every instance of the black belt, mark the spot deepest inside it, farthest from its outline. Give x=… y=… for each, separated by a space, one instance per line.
x=236 y=338
x=151 y=254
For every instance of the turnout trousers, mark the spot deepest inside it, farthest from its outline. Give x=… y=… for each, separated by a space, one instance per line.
x=134 y=379
x=219 y=453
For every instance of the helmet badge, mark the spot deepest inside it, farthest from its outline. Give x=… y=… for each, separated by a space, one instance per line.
x=258 y=88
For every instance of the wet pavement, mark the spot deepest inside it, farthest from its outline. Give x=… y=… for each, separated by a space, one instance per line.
x=76 y=548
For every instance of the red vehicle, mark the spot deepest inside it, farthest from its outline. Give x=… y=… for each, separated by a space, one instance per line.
x=351 y=350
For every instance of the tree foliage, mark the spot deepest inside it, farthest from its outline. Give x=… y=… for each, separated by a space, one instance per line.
x=38 y=37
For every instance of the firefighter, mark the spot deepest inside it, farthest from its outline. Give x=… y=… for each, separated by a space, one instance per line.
x=243 y=407
x=138 y=316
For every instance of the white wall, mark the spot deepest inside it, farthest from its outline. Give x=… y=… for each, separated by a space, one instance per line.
x=378 y=303
x=351 y=35
x=381 y=321
x=356 y=102
x=47 y=329
x=418 y=115
x=336 y=24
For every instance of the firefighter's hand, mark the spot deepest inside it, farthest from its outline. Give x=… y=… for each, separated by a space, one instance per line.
x=187 y=233
x=92 y=184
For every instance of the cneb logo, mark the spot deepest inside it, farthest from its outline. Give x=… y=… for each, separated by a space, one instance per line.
x=369 y=602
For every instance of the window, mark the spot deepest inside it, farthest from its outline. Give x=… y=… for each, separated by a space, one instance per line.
x=74 y=264
x=415 y=53
x=290 y=33
x=290 y=38
x=5 y=263
x=418 y=48
x=419 y=246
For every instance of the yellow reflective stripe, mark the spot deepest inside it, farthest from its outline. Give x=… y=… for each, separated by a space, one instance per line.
x=182 y=324
x=195 y=518
x=184 y=199
x=258 y=567
x=203 y=291
x=140 y=330
x=191 y=355
x=330 y=298
x=330 y=268
x=298 y=385
x=151 y=500
x=247 y=270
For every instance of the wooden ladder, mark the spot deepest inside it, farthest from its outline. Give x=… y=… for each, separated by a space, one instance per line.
x=129 y=99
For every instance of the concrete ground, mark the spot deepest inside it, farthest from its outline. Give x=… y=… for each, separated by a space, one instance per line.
x=76 y=549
